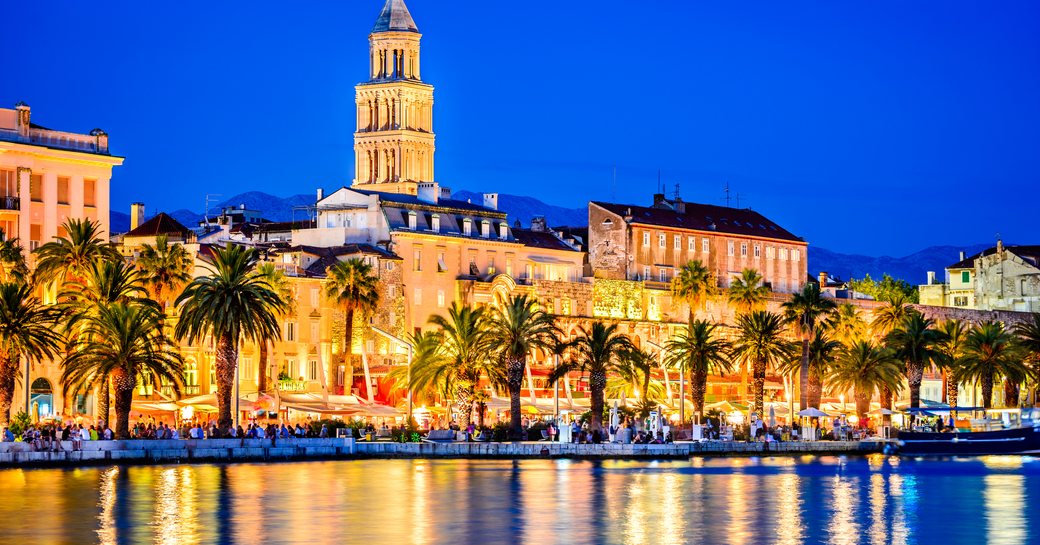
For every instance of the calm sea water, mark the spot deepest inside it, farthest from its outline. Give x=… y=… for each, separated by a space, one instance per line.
x=873 y=500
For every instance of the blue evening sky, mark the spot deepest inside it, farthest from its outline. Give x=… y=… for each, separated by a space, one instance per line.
x=873 y=127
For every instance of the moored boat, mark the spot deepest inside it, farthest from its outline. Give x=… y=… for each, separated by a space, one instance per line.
x=1016 y=431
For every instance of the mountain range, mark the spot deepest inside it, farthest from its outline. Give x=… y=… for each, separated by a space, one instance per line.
x=913 y=268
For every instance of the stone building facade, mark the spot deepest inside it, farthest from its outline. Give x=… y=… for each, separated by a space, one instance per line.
x=1004 y=277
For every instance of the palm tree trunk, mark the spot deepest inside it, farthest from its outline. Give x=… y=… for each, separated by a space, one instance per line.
x=515 y=379
x=698 y=387
x=886 y=397
x=464 y=404
x=815 y=393
x=914 y=375
x=952 y=391
x=1010 y=393
x=987 y=391
x=481 y=409
x=123 y=385
x=803 y=376
x=8 y=374
x=597 y=385
x=862 y=405
x=261 y=382
x=348 y=340
x=759 y=379
x=104 y=403
x=227 y=360
x=646 y=386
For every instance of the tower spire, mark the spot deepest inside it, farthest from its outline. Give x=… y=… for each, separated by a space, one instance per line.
x=395 y=18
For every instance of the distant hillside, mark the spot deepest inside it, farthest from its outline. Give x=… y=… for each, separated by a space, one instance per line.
x=912 y=268
x=524 y=208
x=273 y=208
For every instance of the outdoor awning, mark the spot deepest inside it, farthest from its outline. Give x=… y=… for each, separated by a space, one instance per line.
x=547 y=259
x=321 y=409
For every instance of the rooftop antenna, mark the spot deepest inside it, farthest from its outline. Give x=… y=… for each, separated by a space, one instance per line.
x=676 y=191
x=209 y=197
x=727 y=194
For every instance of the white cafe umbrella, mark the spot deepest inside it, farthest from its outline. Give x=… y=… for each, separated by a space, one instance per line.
x=812 y=412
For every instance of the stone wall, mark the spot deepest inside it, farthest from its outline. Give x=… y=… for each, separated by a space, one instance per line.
x=605 y=450
x=973 y=316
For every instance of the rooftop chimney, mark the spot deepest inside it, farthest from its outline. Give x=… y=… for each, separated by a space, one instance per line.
x=491 y=200
x=428 y=192
x=321 y=193
x=680 y=206
x=23 y=119
x=538 y=224
x=962 y=256
x=658 y=200
x=823 y=278
x=136 y=215
x=931 y=277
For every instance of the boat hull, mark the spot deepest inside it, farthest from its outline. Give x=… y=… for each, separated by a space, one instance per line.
x=1013 y=441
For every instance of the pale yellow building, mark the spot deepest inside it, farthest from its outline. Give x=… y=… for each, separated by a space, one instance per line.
x=1004 y=277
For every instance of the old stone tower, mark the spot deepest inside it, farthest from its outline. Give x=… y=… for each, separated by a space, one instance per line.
x=393 y=145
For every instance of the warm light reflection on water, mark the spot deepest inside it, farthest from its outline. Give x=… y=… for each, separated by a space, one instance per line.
x=789 y=501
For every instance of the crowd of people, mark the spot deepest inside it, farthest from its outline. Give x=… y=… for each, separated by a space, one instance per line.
x=49 y=437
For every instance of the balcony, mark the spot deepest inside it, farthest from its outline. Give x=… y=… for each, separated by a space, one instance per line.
x=8 y=202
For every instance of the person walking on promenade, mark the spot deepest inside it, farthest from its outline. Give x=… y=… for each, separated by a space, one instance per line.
x=324 y=431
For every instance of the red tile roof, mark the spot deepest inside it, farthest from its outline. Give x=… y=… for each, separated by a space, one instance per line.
x=705 y=217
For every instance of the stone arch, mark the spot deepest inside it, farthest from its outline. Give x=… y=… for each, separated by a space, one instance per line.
x=41 y=399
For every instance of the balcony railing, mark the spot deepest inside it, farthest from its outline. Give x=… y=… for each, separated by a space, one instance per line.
x=191 y=390
x=8 y=202
x=292 y=385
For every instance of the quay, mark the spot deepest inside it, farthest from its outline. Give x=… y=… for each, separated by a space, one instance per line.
x=139 y=451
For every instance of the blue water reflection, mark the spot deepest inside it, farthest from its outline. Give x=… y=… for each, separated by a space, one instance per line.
x=740 y=501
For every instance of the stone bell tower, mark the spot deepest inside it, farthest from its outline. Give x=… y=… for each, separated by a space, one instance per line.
x=393 y=145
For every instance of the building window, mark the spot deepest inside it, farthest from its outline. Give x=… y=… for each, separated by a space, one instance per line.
x=247 y=368
x=485 y=229
x=743 y=249
x=411 y=220
x=312 y=369
x=960 y=301
x=528 y=271
x=89 y=192
x=503 y=230
x=440 y=298
x=678 y=242
x=646 y=273
x=662 y=275
x=435 y=223
x=770 y=252
x=417 y=298
x=36 y=187
x=691 y=244
x=417 y=259
x=35 y=234
x=290 y=369
x=705 y=244
x=63 y=190
x=290 y=331
x=783 y=254
x=441 y=266
x=796 y=255
x=965 y=277
x=467 y=227
x=758 y=251
x=661 y=241
x=646 y=238
x=729 y=248
x=389 y=265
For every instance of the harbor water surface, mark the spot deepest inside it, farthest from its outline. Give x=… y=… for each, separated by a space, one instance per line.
x=789 y=500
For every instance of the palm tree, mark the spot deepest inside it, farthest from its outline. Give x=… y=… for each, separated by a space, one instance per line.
x=280 y=284
x=466 y=345
x=633 y=374
x=429 y=378
x=597 y=351
x=846 y=324
x=865 y=368
x=232 y=303
x=12 y=260
x=1028 y=332
x=747 y=292
x=125 y=343
x=916 y=342
x=951 y=346
x=760 y=343
x=991 y=353
x=695 y=285
x=68 y=256
x=885 y=320
x=822 y=351
x=517 y=328
x=700 y=351
x=167 y=267
x=102 y=283
x=352 y=285
x=805 y=310
x=28 y=329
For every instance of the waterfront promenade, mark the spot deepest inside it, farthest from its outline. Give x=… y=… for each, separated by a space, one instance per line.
x=251 y=450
